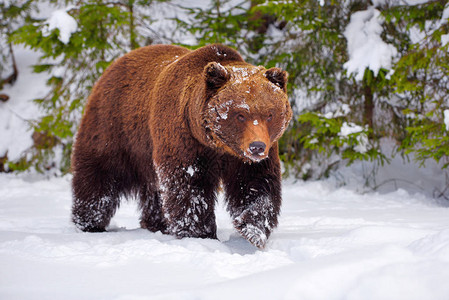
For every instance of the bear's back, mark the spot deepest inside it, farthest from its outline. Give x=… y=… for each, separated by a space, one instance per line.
x=122 y=103
x=130 y=76
x=115 y=111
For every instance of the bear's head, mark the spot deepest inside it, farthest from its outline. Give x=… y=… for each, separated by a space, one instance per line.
x=247 y=108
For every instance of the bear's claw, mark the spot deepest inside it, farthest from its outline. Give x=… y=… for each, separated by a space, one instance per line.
x=252 y=233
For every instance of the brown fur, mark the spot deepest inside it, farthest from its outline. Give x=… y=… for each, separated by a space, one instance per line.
x=167 y=124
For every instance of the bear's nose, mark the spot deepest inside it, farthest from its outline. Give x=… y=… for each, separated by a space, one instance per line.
x=257 y=148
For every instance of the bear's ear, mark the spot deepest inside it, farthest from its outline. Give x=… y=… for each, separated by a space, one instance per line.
x=216 y=75
x=278 y=77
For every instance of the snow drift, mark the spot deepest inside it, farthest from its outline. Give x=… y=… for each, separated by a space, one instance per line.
x=332 y=243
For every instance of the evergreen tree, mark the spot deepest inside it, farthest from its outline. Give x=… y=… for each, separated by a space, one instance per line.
x=103 y=31
x=12 y=15
x=307 y=40
x=343 y=116
x=343 y=110
x=421 y=77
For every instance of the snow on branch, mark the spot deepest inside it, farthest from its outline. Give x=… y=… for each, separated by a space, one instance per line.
x=365 y=46
x=62 y=21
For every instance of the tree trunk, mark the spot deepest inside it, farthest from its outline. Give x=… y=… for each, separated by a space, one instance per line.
x=15 y=72
x=368 y=105
x=132 y=29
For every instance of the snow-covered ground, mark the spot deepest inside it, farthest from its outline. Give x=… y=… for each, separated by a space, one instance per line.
x=332 y=243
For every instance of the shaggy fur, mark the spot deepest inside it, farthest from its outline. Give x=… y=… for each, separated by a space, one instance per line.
x=168 y=124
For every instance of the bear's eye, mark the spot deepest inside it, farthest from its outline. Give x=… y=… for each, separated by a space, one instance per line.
x=241 y=118
x=270 y=117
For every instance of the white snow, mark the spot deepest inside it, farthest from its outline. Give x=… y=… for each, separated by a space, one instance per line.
x=241 y=74
x=398 y=2
x=362 y=143
x=446 y=118
x=445 y=16
x=345 y=109
x=339 y=110
x=331 y=243
x=349 y=128
x=223 y=109
x=243 y=105
x=444 y=39
x=362 y=139
x=190 y=171
x=61 y=20
x=365 y=46
x=15 y=129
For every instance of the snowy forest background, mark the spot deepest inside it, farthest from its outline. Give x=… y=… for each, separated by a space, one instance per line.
x=369 y=88
x=368 y=79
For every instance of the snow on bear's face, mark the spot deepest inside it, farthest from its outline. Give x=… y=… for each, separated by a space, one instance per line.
x=248 y=109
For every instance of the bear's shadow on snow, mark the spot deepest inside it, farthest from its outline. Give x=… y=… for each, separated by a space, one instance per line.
x=238 y=245
x=232 y=243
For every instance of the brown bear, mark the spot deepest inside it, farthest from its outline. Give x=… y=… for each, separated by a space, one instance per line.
x=169 y=125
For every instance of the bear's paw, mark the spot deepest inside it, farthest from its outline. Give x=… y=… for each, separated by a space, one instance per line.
x=256 y=234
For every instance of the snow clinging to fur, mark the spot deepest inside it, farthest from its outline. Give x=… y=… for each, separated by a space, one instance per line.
x=223 y=109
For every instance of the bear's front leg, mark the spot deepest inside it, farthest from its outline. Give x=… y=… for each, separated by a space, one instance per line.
x=253 y=195
x=188 y=199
